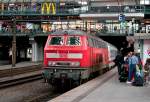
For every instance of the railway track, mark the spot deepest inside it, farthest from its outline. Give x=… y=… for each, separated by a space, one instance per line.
x=43 y=98
x=40 y=97
x=20 y=70
x=19 y=80
x=49 y=96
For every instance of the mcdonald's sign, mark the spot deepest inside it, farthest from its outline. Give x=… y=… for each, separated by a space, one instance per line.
x=48 y=8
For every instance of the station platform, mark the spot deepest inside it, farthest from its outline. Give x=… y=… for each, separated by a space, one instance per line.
x=19 y=65
x=106 y=88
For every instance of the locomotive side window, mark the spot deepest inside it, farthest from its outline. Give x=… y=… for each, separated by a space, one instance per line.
x=100 y=44
x=90 y=42
x=73 y=40
x=57 y=40
x=94 y=44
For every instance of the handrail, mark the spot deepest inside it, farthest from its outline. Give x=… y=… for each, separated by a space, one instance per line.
x=40 y=33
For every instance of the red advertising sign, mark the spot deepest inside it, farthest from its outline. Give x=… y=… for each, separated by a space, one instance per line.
x=148 y=51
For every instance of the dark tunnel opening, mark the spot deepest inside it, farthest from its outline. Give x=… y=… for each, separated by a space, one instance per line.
x=120 y=42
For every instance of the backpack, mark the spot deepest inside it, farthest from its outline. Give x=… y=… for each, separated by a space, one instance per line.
x=124 y=74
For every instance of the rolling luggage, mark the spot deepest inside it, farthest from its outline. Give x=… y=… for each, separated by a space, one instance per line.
x=139 y=81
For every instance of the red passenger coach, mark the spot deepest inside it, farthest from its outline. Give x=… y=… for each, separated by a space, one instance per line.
x=75 y=55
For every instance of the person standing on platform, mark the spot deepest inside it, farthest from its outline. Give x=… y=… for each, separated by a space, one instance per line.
x=118 y=62
x=132 y=61
x=126 y=62
x=147 y=71
x=10 y=55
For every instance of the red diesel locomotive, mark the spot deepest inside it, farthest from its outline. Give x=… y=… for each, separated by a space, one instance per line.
x=75 y=55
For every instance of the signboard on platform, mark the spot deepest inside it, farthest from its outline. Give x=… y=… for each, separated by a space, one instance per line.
x=121 y=18
x=31 y=40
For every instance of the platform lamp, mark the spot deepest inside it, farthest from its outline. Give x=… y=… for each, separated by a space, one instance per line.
x=14 y=42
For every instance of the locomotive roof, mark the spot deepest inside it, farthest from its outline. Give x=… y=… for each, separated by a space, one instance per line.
x=69 y=32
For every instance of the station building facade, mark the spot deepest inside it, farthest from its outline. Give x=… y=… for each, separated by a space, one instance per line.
x=35 y=19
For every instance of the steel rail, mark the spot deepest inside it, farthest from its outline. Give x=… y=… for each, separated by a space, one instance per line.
x=17 y=81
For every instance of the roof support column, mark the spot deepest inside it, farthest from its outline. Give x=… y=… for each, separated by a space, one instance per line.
x=34 y=51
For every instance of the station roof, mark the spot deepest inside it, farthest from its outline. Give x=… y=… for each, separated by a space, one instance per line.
x=12 y=1
x=93 y=2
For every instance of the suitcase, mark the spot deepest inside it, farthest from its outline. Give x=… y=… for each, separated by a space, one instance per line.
x=139 y=79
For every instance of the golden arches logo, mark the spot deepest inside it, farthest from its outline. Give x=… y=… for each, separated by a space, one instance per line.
x=48 y=8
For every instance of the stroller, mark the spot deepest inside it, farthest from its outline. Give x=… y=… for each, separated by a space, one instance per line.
x=124 y=73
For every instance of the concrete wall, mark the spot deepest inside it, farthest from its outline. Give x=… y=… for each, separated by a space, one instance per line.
x=34 y=51
x=37 y=52
x=112 y=3
x=40 y=52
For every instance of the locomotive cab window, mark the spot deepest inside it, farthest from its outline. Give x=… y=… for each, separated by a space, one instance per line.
x=56 y=40
x=73 y=40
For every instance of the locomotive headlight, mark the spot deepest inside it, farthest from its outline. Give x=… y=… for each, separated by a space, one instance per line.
x=50 y=63
x=53 y=63
x=75 y=64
